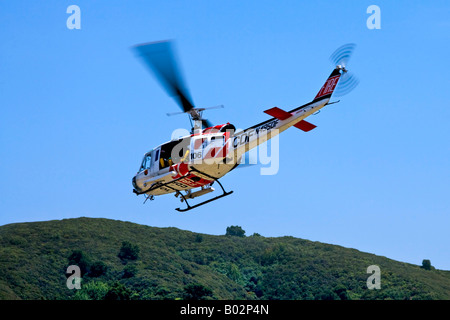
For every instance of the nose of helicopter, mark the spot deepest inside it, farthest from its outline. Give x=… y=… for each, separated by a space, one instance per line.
x=136 y=188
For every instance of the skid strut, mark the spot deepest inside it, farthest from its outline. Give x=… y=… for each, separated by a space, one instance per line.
x=189 y=207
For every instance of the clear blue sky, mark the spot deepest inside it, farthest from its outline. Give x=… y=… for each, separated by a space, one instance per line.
x=78 y=111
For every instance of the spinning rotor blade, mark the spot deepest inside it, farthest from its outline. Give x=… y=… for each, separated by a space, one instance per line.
x=174 y=113
x=347 y=81
x=195 y=109
x=159 y=57
x=206 y=123
x=342 y=54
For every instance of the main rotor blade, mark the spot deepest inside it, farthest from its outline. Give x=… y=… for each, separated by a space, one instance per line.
x=206 y=123
x=159 y=57
x=210 y=108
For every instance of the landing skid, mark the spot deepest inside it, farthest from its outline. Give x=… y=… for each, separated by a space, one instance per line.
x=189 y=207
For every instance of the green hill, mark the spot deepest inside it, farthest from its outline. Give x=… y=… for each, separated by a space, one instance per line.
x=168 y=263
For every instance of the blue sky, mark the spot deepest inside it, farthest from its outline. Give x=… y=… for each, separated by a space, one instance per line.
x=78 y=111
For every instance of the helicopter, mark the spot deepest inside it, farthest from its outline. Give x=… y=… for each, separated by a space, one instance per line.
x=188 y=166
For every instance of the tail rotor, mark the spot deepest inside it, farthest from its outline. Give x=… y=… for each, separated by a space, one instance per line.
x=340 y=58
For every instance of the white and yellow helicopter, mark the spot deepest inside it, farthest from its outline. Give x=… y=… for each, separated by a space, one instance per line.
x=189 y=166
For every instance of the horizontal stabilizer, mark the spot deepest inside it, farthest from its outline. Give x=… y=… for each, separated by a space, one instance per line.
x=278 y=113
x=304 y=125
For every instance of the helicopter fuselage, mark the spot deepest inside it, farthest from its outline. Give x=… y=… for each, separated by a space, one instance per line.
x=196 y=161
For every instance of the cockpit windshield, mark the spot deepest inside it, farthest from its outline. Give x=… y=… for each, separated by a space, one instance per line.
x=146 y=162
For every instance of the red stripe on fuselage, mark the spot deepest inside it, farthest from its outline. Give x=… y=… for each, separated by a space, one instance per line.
x=194 y=181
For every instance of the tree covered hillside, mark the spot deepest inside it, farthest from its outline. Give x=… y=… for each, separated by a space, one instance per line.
x=123 y=260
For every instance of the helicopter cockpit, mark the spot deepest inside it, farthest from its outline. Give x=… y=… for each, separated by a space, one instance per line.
x=165 y=155
x=146 y=162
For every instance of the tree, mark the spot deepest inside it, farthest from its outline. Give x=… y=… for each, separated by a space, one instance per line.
x=326 y=294
x=94 y=290
x=129 y=271
x=79 y=259
x=197 y=292
x=128 y=251
x=234 y=273
x=426 y=264
x=118 y=292
x=198 y=238
x=236 y=231
x=98 y=269
x=341 y=291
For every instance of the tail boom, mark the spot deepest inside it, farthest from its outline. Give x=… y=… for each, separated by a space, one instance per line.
x=249 y=138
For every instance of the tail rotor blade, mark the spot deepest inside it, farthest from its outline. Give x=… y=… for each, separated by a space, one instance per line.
x=340 y=59
x=346 y=84
x=342 y=54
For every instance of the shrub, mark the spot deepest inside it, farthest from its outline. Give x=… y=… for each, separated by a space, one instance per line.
x=198 y=238
x=98 y=269
x=129 y=271
x=79 y=259
x=94 y=290
x=128 y=251
x=118 y=291
x=197 y=292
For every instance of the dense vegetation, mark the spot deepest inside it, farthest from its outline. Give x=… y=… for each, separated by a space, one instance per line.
x=122 y=260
